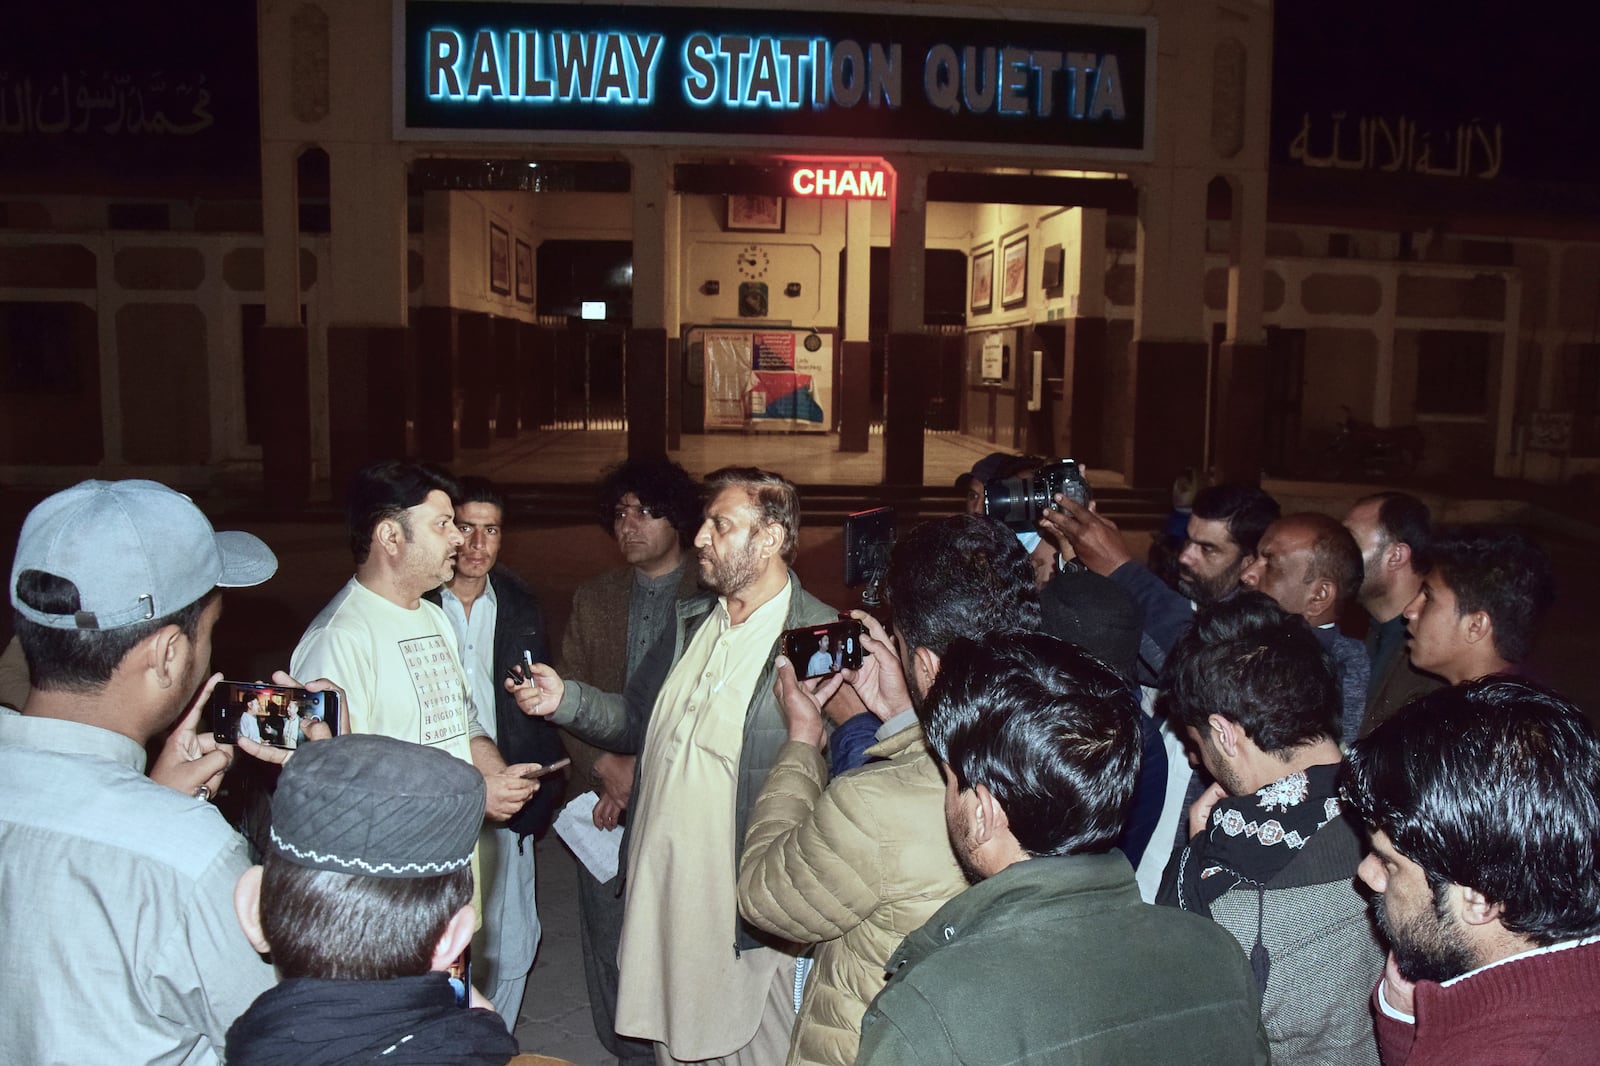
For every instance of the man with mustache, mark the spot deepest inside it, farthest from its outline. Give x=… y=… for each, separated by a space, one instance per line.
x=1392 y=530
x=695 y=978
x=1224 y=529
x=1311 y=566
x=393 y=651
x=1482 y=859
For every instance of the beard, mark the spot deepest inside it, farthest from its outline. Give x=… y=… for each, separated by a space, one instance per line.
x=1427 y=947
x=963 y=847
x=1208 y=590
x=733 y=573
x=968 y=870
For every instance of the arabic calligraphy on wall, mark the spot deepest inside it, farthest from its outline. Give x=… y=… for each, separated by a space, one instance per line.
x=110 y=104
x=1401 y=145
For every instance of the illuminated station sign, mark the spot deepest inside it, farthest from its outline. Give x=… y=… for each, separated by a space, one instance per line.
x=500 y=70
x=822 y=180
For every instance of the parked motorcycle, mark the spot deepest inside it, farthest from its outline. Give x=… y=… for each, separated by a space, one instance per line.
x=1360 y=450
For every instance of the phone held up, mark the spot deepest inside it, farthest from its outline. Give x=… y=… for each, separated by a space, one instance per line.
x=460 y=974
x=276 y=715
x=817 y=651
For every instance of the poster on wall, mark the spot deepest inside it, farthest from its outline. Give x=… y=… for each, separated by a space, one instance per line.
x=769 y=379
x=499 y=260
x=993 y=361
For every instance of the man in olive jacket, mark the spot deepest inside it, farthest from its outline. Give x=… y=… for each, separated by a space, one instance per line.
x=1051 y=956
x=693 y=977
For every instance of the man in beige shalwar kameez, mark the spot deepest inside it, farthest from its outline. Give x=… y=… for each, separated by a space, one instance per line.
x=695 y=979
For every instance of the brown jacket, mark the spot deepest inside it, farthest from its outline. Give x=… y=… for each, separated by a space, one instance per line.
x=854 y=868
x=594 y=647
x=1400 y=684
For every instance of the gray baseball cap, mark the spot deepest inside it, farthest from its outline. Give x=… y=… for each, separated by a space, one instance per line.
x=135 y=550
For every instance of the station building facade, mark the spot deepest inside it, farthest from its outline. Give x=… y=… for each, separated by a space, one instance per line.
x=1066 y=210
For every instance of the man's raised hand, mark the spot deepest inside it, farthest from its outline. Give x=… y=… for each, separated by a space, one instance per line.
x=538 y=689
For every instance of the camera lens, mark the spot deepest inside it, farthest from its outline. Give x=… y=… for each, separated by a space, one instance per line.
x=1016 y=501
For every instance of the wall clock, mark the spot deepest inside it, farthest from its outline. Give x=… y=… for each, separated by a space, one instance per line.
x=753 y=262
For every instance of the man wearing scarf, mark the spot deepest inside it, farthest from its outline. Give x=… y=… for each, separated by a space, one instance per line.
x=1272 y=855
x=364 y=901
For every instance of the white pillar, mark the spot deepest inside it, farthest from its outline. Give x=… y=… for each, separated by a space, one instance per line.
x=1509 y=348
x=280 y=232
x=908 y=237
x=654 y=239
x=857 y=268
x=1247 y=259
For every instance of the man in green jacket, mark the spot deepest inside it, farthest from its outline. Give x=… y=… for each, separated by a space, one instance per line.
x=1051 y=956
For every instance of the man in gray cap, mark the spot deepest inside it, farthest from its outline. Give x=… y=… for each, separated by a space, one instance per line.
x=364 y=901
x=113 y=884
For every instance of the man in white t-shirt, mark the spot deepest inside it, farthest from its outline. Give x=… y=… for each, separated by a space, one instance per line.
x=393 y=652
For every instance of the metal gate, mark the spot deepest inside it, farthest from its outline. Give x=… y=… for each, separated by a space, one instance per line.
x=588 y=377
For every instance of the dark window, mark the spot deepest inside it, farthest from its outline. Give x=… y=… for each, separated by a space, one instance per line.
x=251 y=318
x=944 y=301
x=313 y=184
x=1453 y=372
x=315 y=217
x=1586 y=401
x=572 y=272
x=1488 y=253
x=139 y=216
x=44 y=348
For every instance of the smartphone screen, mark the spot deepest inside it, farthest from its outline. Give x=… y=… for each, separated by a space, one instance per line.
x=272 y=714
x=546 y=769
x=817 y=651
x=461 y=977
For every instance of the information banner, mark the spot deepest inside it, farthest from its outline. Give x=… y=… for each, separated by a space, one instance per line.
x=768 y=379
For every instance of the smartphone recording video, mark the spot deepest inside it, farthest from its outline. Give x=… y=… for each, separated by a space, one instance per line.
x=272 y=714
x=460 y=974
x=817 y=651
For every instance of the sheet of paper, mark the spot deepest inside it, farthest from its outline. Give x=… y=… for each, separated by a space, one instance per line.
x=597 y=849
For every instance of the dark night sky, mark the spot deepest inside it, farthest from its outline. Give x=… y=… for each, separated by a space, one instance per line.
x=167 y=51
x=1526 y=66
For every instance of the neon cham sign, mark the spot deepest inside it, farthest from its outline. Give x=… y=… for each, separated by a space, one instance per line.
x=845 y=183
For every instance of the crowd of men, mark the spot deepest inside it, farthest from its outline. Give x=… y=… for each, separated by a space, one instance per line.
x=1063 y=811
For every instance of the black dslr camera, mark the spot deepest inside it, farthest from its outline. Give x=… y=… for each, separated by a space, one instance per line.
x=1019 y=501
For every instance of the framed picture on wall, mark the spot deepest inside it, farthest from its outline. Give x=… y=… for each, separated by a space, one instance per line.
x=499 y=260
x=1014 y=280
x=983 y=280
x=756 y=213
x=525 y=272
